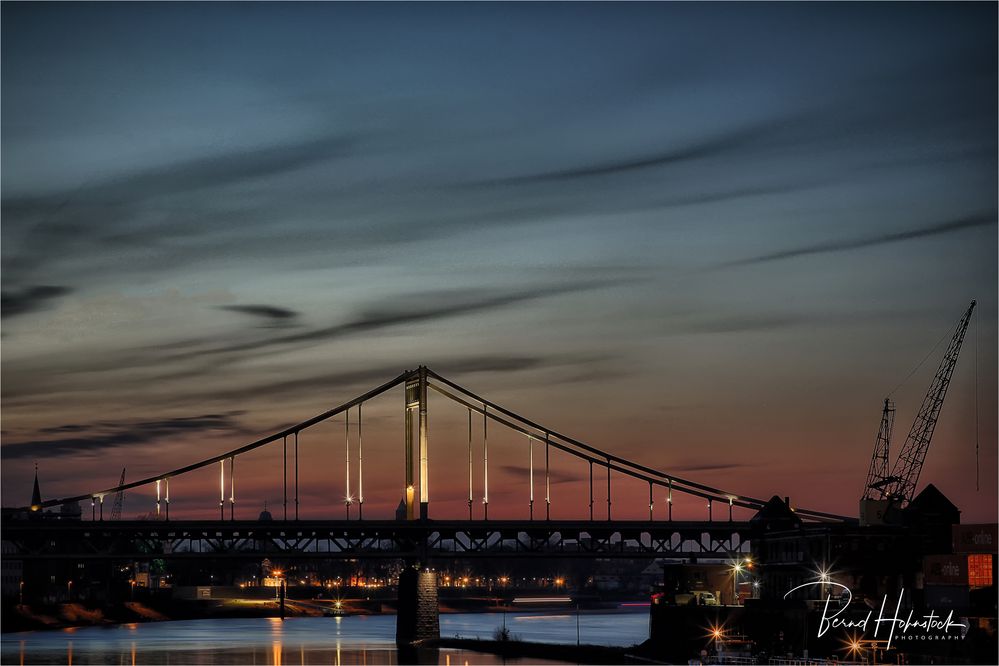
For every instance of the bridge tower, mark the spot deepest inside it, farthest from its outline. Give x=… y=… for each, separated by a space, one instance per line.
x=418 y=619
x=416 y=401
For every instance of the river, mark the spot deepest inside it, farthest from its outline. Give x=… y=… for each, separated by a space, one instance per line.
x=360 y=639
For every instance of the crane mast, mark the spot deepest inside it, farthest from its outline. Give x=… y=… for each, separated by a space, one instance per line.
x=119 y=498
x=877 y=475
x=900 y=485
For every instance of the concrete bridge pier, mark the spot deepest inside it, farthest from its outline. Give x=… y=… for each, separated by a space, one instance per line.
x=418 y=619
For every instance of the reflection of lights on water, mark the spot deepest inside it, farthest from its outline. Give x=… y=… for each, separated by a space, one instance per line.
x=276 y=653
x=338 y=653
x=133 y=653
x=69 y=653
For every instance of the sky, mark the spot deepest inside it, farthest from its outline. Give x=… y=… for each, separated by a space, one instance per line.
x=710 y=238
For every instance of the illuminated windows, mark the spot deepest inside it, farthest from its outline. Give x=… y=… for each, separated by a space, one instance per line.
x=980 y=570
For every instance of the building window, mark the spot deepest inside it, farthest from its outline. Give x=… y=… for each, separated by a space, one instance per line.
x=980 y=570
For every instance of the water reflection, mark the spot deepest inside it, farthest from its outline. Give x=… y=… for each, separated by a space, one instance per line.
x=338 y=641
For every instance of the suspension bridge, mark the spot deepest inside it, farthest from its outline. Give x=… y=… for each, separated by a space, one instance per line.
x=415 y=534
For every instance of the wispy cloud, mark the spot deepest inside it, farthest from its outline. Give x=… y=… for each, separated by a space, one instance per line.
x=199 y=173
x=719 y=145
x=705 y=467
x=110 y=435
x=555 y=475
x=419 y=308
x=941 y=228
x=30 y=299
x=734 y=323
x=452 y=368
x=107 y=212
x=269 y=313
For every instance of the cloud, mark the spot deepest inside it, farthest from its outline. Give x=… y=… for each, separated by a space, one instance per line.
x=30 y=299
x=738 y=323
x=94 y=216
x=375 y=375
x=556 y=476
x=871 y=241
x=200 y=173
x=270 y=313
x=716 y=146
x=706 y=467
x=107 y=435
x=429 y=307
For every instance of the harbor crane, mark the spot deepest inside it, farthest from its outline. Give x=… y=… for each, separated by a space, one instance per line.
x=119 y=498
x=896 y=488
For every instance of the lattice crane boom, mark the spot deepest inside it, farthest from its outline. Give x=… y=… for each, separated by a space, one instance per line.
x=900 y=486
x=119 y=498
x=877 y=475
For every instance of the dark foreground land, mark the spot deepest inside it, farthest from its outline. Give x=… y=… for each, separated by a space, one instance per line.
x=574 y=654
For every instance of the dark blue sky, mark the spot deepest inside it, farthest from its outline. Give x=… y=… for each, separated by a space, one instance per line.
x=702 y=235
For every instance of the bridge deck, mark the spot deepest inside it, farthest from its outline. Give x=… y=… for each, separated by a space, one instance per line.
x=428 y=539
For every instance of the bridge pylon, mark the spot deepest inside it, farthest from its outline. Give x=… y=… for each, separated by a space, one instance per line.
x=418 y=618
x=416 y=401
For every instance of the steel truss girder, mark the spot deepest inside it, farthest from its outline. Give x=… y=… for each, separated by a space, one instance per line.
x=382 y=539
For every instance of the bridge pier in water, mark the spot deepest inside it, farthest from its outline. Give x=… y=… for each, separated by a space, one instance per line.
x=418 y=618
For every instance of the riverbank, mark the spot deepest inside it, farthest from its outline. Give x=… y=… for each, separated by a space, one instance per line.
x=42 y=617
x=575 y=654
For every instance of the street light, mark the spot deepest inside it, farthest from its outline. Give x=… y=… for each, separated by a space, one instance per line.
x=824 y=578
x=717 y=634
x=736 y=570
x=281 y=589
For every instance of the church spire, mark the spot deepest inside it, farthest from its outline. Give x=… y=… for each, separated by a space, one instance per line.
x=36 y=495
